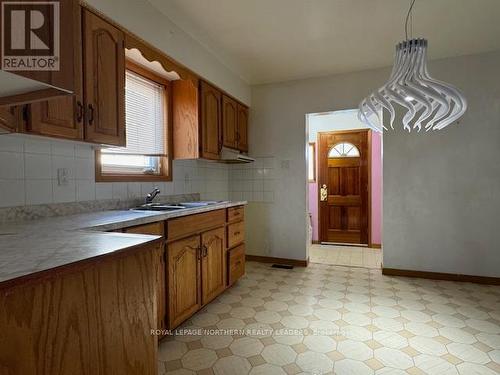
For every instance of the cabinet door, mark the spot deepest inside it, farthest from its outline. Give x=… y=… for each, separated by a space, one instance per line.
x=63 y=78
x=183 y=279
x=242 y=134
x=210 y=122
x=161 y=291
x=10 y=118
x=229 y=122
x=64 y=116
x=185 y=119
x=104 y=81
x=213 y=264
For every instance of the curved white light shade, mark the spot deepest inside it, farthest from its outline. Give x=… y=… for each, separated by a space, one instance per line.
x=429 y=103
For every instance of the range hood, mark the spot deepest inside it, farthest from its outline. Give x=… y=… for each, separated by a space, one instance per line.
x=16 y=89
x=234 y=157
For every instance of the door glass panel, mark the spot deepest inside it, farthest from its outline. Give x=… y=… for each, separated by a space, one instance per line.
x=343 y=150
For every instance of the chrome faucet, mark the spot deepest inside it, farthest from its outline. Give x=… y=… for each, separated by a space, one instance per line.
x=152 y=195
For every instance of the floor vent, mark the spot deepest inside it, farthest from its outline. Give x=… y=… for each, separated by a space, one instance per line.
x=284 y=266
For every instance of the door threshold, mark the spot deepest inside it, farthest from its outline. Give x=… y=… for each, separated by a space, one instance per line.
x=344 y=244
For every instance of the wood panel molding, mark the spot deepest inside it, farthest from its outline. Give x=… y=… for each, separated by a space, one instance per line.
x=441 y=276
x=97 y=320
x=264 y=259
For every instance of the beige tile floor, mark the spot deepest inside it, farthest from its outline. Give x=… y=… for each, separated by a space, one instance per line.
x=346 y=255
x=340 y=320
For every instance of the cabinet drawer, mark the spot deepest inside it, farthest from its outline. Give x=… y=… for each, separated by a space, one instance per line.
x=236 y=263
x=183 y=226
x=235 y=214
x=235 y=234
x=152 y=228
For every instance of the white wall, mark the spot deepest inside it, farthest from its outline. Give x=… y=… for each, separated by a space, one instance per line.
x=441 y=191
x=140 y=17
x=339 y=120
x=277 y=128
x=28 y=175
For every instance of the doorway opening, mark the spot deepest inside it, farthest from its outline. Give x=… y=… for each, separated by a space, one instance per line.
x=344 y=185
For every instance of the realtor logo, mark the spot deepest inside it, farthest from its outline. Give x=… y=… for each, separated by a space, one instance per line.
x=30 y=35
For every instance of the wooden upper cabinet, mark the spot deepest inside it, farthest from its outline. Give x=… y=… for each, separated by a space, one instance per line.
x=186 y=134
x=229 y=122
x=213 y=264
x=61 y=81
x=210 y=118
x=183 y=279
x=104 y=81
x=10 y=118
x=63 y=117
x=242 y=132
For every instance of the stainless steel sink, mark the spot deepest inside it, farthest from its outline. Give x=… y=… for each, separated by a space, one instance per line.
x=174 y=207
x=159 y=207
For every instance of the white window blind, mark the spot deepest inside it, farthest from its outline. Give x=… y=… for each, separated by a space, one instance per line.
x=144 y=117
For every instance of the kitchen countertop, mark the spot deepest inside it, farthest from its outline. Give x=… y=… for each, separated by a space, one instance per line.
x=30 y=247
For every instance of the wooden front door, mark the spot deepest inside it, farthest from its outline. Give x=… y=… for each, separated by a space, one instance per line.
x=343 y=186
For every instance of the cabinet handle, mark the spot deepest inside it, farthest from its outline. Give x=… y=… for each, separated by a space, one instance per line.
x=79 y=115
x=205 y=250
x=236 y=233
x=237 y=213
x=91 y=114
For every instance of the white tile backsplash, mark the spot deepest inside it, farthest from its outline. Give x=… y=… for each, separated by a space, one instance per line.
x=11 y=165
x=12 y=193
x=85 y=190
x=37 y=166
x=38 y=191
x=254 y=182
x=29 y=164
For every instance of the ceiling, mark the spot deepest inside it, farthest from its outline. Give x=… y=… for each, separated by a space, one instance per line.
x=278 y=40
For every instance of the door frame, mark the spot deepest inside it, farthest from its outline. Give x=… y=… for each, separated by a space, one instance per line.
x=369 y=171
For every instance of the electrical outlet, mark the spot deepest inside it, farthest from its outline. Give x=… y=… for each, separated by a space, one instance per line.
x=62 y=177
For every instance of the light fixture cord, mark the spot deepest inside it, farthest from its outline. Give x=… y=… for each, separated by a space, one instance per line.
x=408 y=18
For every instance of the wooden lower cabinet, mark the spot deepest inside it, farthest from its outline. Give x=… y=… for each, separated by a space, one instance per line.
x=213 y=264
x=199 y=266
x=184 y=271
x=157 y=229
x=90 y=318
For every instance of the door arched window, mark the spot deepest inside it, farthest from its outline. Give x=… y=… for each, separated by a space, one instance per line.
x=343 y=150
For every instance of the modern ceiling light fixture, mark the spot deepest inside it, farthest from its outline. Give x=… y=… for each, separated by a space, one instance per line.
x=430 y=104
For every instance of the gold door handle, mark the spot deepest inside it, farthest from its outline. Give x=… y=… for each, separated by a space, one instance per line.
x=323 y=196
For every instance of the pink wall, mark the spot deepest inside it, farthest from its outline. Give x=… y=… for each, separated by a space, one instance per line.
x=376 y=193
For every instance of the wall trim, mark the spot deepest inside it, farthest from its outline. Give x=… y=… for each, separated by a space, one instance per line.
x=441 y=276
x=263 y=259
x=375 y=245
x=316 y=242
